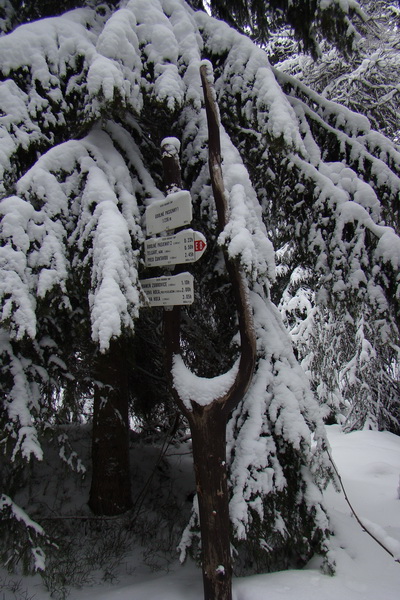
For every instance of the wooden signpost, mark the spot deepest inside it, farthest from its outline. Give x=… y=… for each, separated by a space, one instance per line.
x=208 y=422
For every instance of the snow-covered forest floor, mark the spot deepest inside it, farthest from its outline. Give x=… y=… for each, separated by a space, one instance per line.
x=369 y=464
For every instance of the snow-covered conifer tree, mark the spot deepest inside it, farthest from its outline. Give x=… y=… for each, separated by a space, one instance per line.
x=87 y=97
x=309 y=20
x=357 y=378
x=365 y=80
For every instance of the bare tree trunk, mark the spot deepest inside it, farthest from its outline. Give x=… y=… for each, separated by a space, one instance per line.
x=110 y=492
x=209 y=456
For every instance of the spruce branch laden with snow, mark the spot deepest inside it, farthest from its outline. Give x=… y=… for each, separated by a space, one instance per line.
x=87 y=96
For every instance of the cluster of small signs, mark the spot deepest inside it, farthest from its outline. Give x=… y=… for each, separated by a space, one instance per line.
x=186 y=246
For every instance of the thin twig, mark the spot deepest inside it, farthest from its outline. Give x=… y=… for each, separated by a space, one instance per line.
x=354 y=512
x=80 y=517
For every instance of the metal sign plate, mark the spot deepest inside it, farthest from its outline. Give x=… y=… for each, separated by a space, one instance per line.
x=184 y=247
x=175 y=290
x=174 y=211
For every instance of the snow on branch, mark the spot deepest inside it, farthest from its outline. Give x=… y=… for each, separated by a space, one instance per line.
x=30 y=535
x=42 y=245
x=170 y=49
x=60 y=72
x=279 y=389
x=341 y=117
x=23 y=399
x=247 y=74
x=351 y=130
x=245 y=235
x=333 y=194
x=200 y=390
x=18 y=303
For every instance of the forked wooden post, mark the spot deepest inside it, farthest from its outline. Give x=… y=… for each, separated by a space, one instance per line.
x=238 y=281
x=208 y=423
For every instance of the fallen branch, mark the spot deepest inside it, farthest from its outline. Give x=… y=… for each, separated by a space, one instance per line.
x=359 y=521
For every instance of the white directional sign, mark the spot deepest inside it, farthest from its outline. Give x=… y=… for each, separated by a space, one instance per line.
x=174 y=211
x=175 y=290
x=184 y=247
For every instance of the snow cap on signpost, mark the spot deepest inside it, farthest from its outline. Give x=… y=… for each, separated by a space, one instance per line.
x=170 y=148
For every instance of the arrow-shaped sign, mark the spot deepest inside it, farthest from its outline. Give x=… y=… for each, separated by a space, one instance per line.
x=184 y=247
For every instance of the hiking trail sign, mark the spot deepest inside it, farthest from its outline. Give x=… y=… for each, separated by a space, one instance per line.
x=173 y=290
x=186 y=246
x=172 y=212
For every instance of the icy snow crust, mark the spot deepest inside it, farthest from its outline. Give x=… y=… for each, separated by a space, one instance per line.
x=77 y=212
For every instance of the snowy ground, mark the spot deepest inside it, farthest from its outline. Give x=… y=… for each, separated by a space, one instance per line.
x=369 y=463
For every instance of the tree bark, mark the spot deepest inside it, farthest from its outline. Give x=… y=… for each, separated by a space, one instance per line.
x=208 y=424
x=110 y=492
x=208 y=428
